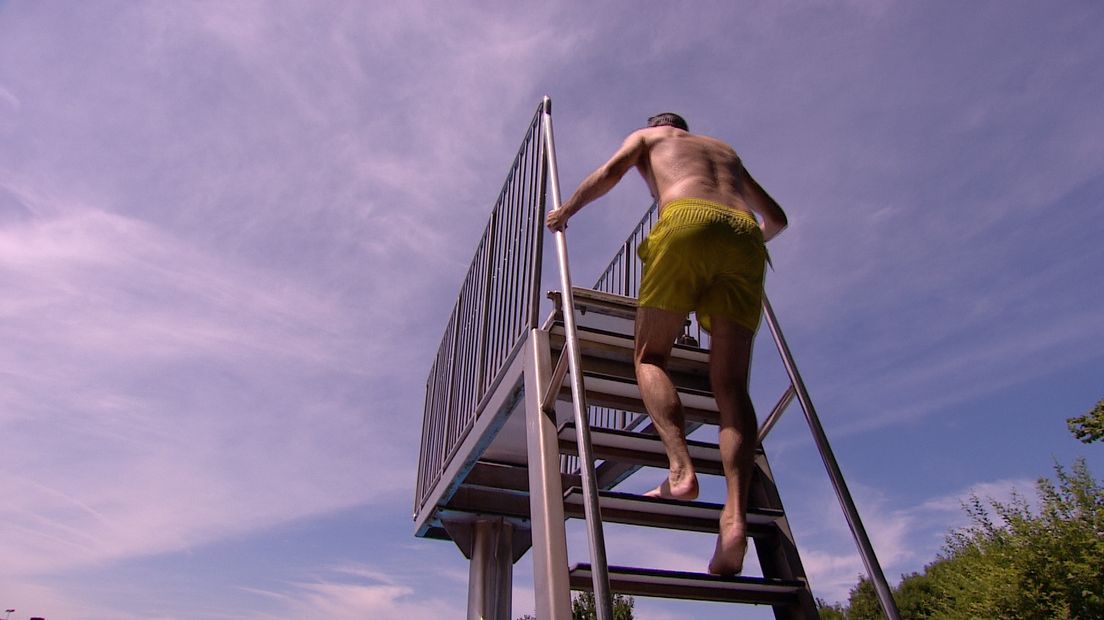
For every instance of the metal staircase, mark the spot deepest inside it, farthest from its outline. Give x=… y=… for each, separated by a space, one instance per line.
x=604 y=326
x=530 y=424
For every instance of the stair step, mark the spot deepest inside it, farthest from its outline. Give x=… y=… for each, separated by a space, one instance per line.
x=588 y=299
x=625 y=391
x=614 y=445
x=694 y=586
x=595 y=339
x=691 y=516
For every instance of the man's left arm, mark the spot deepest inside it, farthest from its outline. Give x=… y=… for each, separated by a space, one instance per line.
x=600 y=181
x=774 y=218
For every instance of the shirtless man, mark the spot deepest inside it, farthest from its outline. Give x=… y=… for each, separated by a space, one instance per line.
x=705 y=254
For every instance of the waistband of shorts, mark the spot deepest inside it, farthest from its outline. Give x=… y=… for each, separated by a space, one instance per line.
x=697 y=211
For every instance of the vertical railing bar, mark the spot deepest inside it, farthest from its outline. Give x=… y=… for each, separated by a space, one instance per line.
x=492 y=303
x=511 y=274
x=535 y=208
x=450 y=385
x=538 y=224
x=427 y=430
x=470 y=350
x=420 y=485
x=532 y=230
x=627 y=262
x=520 y=258
x=464 y=365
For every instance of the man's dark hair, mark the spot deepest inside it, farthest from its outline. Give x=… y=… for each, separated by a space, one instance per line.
x=668 y=119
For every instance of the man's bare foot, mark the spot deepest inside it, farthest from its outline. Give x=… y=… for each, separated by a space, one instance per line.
x=685 y=489
x=728 y=557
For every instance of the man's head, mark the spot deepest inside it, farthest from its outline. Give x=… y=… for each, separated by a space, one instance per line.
x=668 y=119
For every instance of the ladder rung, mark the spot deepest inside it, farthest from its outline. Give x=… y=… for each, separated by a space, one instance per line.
x=614 y=445
x=625 y=388
x=598 y=301
x=695 y=586
x=594 y=337
x=693 y=516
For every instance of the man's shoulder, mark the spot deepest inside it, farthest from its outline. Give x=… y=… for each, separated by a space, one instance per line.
x=653 y=135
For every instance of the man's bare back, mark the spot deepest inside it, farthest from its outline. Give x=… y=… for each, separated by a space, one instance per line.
x=677 y=164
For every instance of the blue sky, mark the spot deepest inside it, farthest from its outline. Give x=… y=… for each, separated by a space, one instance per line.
x=231 y=232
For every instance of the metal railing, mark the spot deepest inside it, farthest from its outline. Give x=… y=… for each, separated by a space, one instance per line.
x=622 y=275
x=497 y=306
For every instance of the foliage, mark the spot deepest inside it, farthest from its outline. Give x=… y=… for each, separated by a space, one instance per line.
x=916 y=596
x=583 y=607
x=863 y=603
x=1011 y=562
x=1045 y=565
x=833 y=611
x=1089 y=427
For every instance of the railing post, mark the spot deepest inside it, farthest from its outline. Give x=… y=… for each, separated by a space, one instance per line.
x=490 y=239
x=850 y=512
x=600 y=573
x=625 y=256
x=553 y=590
x=538 y=231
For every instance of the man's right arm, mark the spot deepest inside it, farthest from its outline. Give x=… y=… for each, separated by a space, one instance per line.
x=600 y=181
x=774 y=218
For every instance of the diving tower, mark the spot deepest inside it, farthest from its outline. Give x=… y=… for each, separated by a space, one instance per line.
x=533 y=418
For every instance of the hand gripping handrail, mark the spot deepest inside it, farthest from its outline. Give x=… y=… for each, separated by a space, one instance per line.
x=595 y=538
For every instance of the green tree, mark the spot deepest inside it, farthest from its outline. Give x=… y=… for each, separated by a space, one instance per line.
x=1089 y=427
x=916 y=596
x=833 y=611
x=863 y=603
x=1045 y=565
x=1010 y=562
x=583 y=607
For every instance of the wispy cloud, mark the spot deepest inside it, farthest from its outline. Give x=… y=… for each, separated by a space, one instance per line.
x=351 y=592
x=176 y=375
x=149 y=394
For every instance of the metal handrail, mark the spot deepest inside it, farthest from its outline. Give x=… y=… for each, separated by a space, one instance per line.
x=595 y=536
x=497 y=305
x=850 y=512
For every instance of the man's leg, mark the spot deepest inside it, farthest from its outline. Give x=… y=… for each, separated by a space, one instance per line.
x=656 y=331
x=729 y=365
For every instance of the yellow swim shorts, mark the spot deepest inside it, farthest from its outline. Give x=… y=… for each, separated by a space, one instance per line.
x=705 y=257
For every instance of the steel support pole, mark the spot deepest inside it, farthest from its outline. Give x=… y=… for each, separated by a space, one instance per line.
x=552 y=589
x=776 y=413
x=490 y=572
x=850 y=512
x=600 y=576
